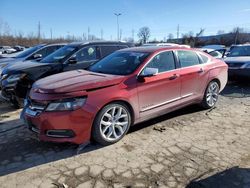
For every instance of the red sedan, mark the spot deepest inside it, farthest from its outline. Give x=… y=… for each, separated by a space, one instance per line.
x=121 y=90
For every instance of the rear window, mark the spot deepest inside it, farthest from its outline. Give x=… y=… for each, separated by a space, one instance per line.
x=188 y=58
x=204 y=58
x=106 y=50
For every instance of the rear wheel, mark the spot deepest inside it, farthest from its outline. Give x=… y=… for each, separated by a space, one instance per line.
x=111 y=124
x=211 y=95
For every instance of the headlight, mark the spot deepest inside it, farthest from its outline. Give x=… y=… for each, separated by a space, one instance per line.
x=4 y=76
x=2 y=67
x=15 y=77
x=65 y=105
x=246 y=66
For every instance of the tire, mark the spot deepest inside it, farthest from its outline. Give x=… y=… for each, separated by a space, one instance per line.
x=211 y=95
x=111 y=124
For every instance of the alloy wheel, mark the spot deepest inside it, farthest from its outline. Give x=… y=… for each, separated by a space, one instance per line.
x=114 y=123
x=212 y=94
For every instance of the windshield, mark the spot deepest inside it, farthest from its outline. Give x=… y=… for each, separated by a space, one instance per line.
x=29 y=51
x=119 y=63
x=239 y=51
x=60 y=55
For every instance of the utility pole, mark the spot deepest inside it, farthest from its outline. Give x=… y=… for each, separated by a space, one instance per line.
x=51 y=34
x=39 y=31
x=133 y=34
x=101 y=34
x=236 y=35
x=117 y=19
x=178 y=31
x=88 y=33
x=120 y=34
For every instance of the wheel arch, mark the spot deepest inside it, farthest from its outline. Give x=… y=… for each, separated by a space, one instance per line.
x=216 y=80
x=130 y=107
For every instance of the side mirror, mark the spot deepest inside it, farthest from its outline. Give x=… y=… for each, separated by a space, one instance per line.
x=37 y=56
x=147 y=72
x=72 y=60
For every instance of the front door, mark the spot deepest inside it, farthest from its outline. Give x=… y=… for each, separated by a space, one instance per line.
x=161 y=90
x=84 y=58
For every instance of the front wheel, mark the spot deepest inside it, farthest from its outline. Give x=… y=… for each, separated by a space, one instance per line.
x=211 y=95
x=111 y=123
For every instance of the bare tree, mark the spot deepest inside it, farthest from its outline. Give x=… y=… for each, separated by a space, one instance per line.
x=6 y=29
x=238 y=35
x=170 y=36
x=220 y=32
x=144 y=34
x=200 y=33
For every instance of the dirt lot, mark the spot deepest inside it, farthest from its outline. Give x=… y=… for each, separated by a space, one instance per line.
x=187 y=148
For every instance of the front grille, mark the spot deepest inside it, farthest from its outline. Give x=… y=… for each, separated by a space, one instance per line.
x=235 y=65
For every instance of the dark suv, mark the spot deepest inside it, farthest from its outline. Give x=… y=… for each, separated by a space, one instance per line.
x=35 y=53
x=17 y=79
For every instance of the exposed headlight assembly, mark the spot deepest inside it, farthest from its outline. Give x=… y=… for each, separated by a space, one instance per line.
x=66 y=105
x=15 y=77
x=4 y=76
x=246 y=66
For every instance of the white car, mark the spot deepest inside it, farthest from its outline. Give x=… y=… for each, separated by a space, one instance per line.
x=7 y=49
x=218 y=53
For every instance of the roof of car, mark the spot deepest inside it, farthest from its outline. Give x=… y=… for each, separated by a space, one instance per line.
x=55 y=44
x=97 y=42
x=246 y=44
x=151 y=49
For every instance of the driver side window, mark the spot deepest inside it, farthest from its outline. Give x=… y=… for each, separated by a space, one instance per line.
x=162 y=62
x=86 y=54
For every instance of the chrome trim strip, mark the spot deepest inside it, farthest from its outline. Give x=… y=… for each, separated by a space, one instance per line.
x=166 y=102
x=187 y=95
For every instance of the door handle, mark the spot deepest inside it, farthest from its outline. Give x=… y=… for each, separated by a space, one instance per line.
x=201 y=70
x=173 y=77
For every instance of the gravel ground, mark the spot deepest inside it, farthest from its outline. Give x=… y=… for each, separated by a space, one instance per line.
x=188 y=148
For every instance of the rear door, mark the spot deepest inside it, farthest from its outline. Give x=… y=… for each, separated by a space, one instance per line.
x=108 y=49
x=192 y=73
x=162 y=90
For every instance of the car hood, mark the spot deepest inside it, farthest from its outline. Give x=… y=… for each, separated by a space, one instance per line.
x=22 y=67
x=243 y=59
x=7 y=60
x=78 y=80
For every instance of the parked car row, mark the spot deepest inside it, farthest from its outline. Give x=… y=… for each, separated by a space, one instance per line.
x=21 y=72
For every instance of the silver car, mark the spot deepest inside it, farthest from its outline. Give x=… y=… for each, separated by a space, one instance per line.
x=238 y=61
